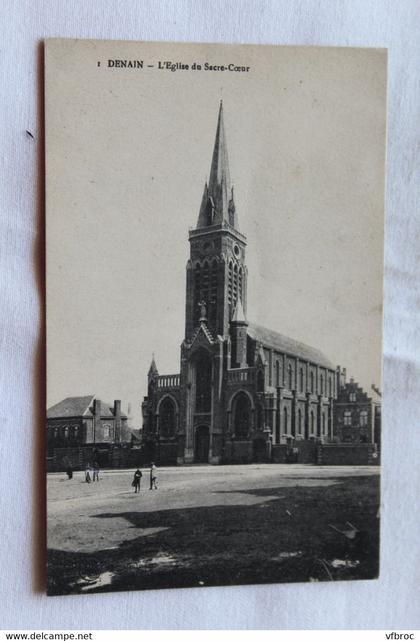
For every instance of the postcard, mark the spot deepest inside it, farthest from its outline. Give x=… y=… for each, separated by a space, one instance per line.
x=214 y=266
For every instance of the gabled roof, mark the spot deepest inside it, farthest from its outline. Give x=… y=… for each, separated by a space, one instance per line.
x=74 y=406
x=287 y=345
x=202 y=330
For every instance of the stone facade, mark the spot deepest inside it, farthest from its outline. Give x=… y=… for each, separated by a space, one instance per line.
x=242 y=389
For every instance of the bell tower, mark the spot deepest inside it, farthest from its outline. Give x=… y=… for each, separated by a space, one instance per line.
x=216 y=270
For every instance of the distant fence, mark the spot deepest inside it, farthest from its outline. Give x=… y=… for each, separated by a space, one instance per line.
x=306 y=452
x=79 y=457
x=347 y=454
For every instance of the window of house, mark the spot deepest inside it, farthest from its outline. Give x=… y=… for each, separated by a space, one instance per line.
x=329 y=387
x=347 y=417
x=301 y=379
x=285 y=421
x=106 y=431
x=277 y=373
x=363 y=418
x=290 y=376
x=321 y=384
x=311 y=380
x=66 y=431
x=352 y=397
x=76 y=431
x=56 y=432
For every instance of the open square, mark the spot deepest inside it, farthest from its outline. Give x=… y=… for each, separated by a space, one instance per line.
x=208 y=525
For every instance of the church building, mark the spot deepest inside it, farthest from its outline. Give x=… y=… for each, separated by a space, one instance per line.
x=242 y=390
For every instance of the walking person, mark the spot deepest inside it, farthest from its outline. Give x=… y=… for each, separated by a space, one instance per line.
x=153 y=477
x=87 y=473
x=69 y=471
x=96 y=471
x=137 y=480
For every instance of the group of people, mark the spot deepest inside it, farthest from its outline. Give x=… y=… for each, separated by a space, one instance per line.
x=138 y=476
x=92 y=474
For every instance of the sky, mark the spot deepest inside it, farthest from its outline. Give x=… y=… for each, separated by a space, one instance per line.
x=128 y=152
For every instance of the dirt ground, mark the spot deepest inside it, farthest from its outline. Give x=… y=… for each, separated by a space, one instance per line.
x=209 y=525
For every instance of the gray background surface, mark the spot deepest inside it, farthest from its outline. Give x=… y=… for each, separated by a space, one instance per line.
x=390 y=602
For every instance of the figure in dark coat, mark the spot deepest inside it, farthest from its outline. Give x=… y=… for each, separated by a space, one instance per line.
x=137 y=480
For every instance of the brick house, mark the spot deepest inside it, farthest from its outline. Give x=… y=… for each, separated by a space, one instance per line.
x=80 y=421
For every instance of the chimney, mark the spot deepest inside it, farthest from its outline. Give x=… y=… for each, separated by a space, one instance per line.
x=117 y=423
x=96 y=419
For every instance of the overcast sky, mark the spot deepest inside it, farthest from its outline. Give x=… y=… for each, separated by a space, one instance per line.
x=128 y=154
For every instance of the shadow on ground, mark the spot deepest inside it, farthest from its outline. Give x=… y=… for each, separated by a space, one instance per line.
x=285 y=537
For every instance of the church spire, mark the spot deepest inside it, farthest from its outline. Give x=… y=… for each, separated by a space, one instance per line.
x=153 y=370
x=217 y=205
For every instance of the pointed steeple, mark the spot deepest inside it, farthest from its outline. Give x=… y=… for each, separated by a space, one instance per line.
x=153 y=370
x=217 y=205
x=238 y=314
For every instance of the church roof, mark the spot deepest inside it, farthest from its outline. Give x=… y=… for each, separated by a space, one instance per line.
x=217 y=205
x=287 y=345
x=73 y=406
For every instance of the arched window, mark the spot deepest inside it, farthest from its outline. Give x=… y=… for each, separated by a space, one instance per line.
x=240 y=288
x=323 y=425
x=167 y=418
x=55 y=432
x=290 y=376
x=311 y=381
x=312 y=424
x=301 y=379
x=321 y=385
x=205 y=281
x=277 y=373
x=212 y=311
x=300 y=431
x=285 y=421
x=293 y=425
x=363 y=418
x=329 y=387
x=230 y=284
x=66 y=431
x=75 y=431
x=197 y=291
x=235 y=285
x=242 y=416
x=203 y=383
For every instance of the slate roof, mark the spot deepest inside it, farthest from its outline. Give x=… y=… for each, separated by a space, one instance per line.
x=287 y=345
x=73 y=406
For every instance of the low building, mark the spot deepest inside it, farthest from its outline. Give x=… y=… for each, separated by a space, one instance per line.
x=356 y=414
x=80 y=421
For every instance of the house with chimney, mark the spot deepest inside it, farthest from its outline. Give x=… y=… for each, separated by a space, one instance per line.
x=81 y=421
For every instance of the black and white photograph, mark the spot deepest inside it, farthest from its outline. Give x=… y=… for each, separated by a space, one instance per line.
x=214 y=245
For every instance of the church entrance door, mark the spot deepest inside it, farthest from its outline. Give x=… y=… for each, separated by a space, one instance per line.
x=202 y=442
